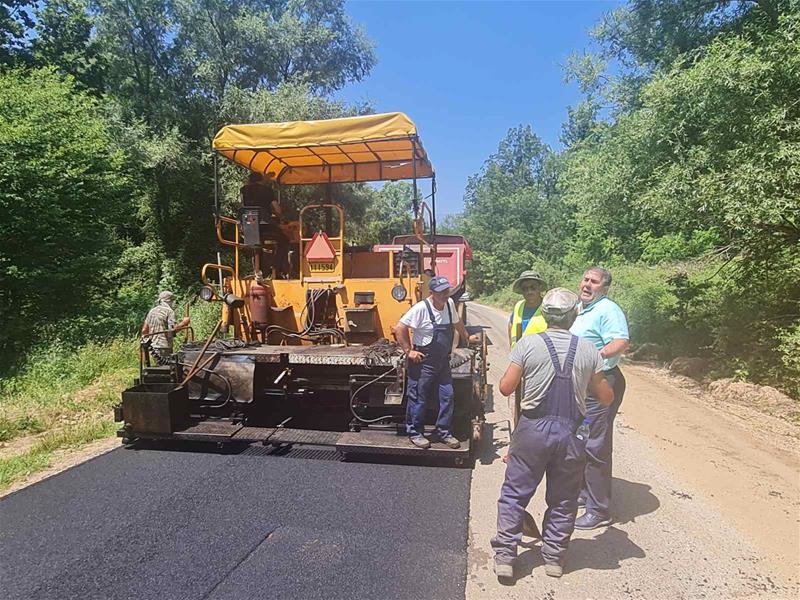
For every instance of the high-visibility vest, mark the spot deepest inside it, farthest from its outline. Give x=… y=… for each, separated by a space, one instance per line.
x=537 y=324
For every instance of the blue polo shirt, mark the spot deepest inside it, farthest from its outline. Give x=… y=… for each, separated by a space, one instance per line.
x=601 y=322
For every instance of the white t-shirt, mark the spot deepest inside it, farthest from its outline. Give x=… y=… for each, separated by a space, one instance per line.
x=417 y=318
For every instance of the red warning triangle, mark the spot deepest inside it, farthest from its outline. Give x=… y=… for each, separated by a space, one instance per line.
x=320 y=249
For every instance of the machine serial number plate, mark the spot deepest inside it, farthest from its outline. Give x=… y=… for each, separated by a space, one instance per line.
x=322 y=267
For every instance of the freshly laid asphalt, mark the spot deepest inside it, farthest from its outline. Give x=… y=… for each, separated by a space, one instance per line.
x=167 y=524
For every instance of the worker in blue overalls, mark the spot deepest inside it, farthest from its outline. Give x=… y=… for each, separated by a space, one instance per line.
x=559 y=371
x=433 y=321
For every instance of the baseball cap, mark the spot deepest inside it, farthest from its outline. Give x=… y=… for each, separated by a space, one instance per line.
x=559 y=301
x=439 y=284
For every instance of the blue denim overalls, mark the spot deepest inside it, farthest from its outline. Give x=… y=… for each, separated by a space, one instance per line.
x=544 y=442
x=430 y=376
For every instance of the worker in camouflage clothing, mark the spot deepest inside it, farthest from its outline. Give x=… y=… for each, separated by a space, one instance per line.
x=159 y=328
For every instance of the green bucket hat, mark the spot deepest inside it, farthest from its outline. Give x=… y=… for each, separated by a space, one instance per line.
x=526 y=276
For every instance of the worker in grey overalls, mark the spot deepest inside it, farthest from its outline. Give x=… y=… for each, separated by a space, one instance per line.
x=559 y=369
x=433 y=321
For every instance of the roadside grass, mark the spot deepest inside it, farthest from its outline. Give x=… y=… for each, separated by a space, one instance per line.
x=41 y=454
x=62 y=399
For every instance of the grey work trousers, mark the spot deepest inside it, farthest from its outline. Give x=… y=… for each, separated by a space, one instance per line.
x=540 y=446
x=600 y=447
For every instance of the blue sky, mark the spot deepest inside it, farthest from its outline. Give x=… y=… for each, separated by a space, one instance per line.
x=466 y=72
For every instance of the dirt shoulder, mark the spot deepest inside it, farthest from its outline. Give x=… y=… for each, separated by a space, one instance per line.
x=706 y=499
x=745 y=462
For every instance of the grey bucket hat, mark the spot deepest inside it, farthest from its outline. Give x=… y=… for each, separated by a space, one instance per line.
x=166 y=296
x=526 y=276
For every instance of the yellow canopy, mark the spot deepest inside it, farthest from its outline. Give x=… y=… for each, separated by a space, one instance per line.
x=368 y=148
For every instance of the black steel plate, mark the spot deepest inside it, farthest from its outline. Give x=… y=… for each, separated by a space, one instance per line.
x=208 y=431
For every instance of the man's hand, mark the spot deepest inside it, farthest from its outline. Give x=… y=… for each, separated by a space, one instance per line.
x=474 y=339
x=415 y=356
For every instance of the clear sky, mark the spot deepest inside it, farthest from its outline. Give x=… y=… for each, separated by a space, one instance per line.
x=466 y=72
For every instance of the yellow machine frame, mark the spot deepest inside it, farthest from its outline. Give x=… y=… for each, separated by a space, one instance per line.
x=354 y=149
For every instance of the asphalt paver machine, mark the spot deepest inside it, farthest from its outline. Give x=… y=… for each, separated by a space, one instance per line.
x=303 y=352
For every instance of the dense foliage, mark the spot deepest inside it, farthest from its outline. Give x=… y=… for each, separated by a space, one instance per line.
x=65 y=198
x=684 y=159
x=107 y=110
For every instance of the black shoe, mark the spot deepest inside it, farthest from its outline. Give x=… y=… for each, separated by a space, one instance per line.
x=581 y=501
x=591 y=521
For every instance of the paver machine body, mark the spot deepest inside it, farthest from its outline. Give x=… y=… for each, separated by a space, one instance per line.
x=302 y=353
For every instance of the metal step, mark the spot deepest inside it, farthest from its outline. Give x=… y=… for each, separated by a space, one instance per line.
x=385 y=443
x=362 y=443
x=304 y=436
x=208 y=431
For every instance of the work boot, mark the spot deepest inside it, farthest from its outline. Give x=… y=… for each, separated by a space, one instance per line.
x=503 y=570
x=553 y=569
x=420 y=441
x=451 y=442
x=591 y=521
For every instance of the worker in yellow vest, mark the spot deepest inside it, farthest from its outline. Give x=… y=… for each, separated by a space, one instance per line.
x=526 y=318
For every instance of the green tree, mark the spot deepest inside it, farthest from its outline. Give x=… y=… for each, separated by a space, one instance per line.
x=388 y=213
x=15 y=19
x=513 y=213
x=63 y=39
x=63 y=199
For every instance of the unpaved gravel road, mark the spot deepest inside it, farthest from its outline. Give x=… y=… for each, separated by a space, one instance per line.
x=706 y=500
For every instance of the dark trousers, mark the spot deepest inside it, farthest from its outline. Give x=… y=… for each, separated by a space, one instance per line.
x=538 y=447
x=600 y=447
x=428 y=381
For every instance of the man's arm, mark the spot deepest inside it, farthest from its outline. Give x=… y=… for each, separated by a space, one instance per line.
x=401 y=332
x=614 y=348
x=145 y=328
x=510 y=379
x=183 y=324
x=463 y=335
x=614 y=328
x=600 y=390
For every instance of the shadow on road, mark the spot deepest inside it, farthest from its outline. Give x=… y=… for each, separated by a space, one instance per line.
x=608 y=548
x=495 y=438
x=632 y=500
x=603 y=553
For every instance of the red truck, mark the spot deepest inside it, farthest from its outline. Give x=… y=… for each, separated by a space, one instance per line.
x=452 y=254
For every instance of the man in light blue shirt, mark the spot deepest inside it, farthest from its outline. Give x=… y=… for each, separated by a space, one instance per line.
x=602 y=322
